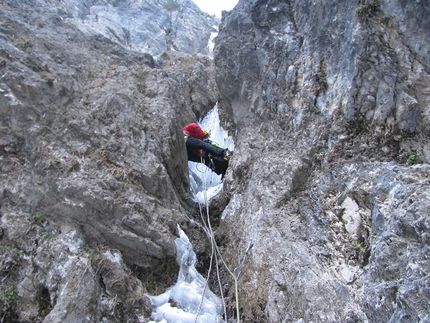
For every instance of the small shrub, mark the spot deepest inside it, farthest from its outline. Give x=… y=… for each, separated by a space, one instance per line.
x=72 y=164
x=354 y=244
x=51 y=162
x=321 y=76
x=410 y=160
x=8 y=313
x=100 y=157
x=10 y=296
x=22 y=42
x=141 y=86
x=3 y=62
x=187 y=63
x=11 y=250
x=165 y=55
x=111 y=71
x=10 y=258
x=38 y=218
x=125 y=174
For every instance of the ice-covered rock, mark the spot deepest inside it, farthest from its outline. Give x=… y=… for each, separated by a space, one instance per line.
x=190 y=299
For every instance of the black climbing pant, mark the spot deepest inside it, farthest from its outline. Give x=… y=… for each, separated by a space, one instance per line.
x=213 y=157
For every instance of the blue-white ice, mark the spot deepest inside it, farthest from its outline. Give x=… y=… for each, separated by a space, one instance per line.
x=203 y=180
x=187 y=293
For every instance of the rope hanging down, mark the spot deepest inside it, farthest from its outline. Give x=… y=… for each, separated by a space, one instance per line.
x=237 y=271
x=209 y=232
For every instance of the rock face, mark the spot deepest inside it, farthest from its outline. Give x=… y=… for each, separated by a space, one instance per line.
x=93 y=165
x=149 y=26
x=330 y=104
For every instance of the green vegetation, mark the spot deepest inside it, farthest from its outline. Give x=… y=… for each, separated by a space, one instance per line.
x=13 y=251
x=410 y=160
x=38 y=218
x=8 y=302
x=165 y=55
x=173 y=5
x=10 y=296
x=354 y=244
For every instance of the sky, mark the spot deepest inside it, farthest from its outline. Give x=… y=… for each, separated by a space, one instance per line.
x=214 y=7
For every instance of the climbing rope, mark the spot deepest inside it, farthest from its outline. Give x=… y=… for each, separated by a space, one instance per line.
x=212 y=246
x=201 y=171
x=215 y=250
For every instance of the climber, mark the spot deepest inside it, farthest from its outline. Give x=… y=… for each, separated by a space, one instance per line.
x=201 y=149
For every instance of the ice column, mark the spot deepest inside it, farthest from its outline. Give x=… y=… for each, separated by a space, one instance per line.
x=181 y=302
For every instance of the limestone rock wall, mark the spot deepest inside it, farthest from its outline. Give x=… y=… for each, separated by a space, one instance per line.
x=93 y=167
x=150 y=26
x=329 y=101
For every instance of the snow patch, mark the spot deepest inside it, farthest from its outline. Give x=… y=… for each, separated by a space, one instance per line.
x=351 y=216
x=211 y=43
x=113 y=257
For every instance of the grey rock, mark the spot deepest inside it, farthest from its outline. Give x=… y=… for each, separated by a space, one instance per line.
x=93 y=165
x=151 y=27
x=330 y=175
x=328 y=104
